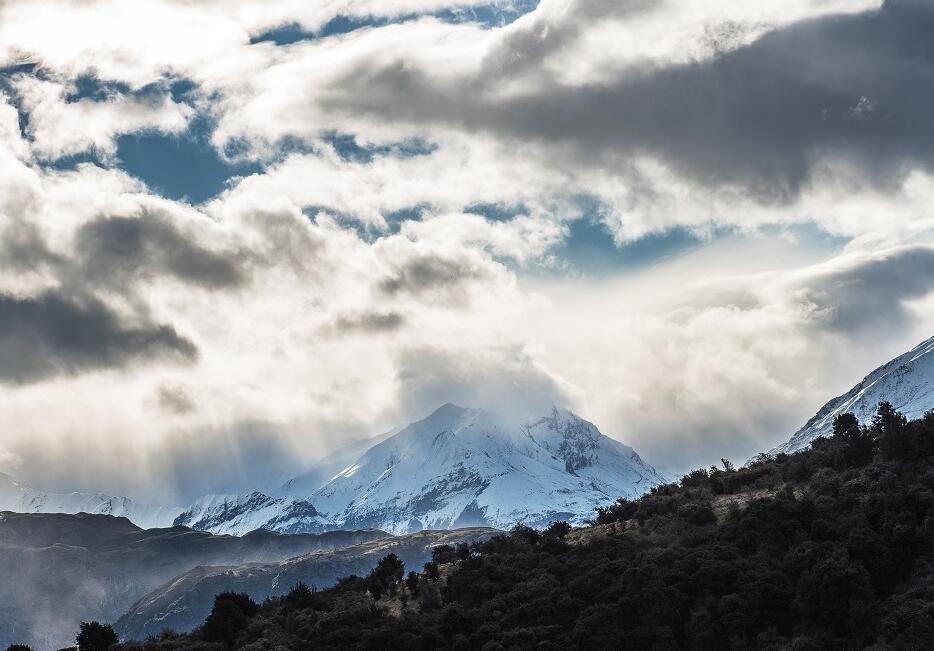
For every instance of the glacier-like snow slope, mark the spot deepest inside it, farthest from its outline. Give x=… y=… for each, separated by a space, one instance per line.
x=907 y=382
x=22 y=499
x=323 y=470
x=467 y=467
x=239 y=514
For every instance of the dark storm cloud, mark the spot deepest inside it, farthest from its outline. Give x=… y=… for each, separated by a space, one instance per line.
x=857 y=89
x=115 y=249
x=427 y=273
x=869 y=294
x=51 y=334
x=858 y=296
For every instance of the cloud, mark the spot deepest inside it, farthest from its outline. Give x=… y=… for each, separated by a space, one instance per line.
x=52 y=334
x=502 y=378
x=424 y=274
x=175 y=399
x=329 y=294
x=760 y=118
x=115 y=250
x=59 y=128
x=699 y=365
x=865 y=294
x=369 y=322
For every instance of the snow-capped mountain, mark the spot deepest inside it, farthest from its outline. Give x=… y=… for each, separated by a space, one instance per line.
x=239 y=514
x=467 y=467
x=322 y=471
x=458 y=467
x=907 y=382
x=22 y=499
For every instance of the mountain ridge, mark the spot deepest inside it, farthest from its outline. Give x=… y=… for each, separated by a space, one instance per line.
x=456 y=467
x=906 y=381
x=18 y=498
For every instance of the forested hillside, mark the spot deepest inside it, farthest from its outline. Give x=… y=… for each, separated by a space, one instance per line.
x=826 y=548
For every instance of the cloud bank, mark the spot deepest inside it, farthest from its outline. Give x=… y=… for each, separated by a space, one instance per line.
x=400 y=185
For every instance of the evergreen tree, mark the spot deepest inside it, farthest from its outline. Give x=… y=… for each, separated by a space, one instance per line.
x=858 y=440
x=385 y=576
x=94 y=636
x=229 y=617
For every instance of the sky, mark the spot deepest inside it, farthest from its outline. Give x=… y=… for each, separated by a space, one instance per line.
x=237 y=235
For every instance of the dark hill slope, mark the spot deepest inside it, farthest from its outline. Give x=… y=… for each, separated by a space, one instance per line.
x=59 y=569
x=827 y=548
x=183 y=602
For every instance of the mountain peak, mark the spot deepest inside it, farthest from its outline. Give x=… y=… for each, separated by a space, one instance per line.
x=465 y=466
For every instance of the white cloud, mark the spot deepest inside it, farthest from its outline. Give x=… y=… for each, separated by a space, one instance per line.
x=361 y=291
x=60 y=128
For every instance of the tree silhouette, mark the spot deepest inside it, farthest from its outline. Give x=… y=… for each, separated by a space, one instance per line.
x=94 y=636
x=229 y=617
x=858 y=440
x=385 y=576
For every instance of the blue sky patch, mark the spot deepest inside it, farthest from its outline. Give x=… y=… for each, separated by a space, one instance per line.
x=349 y=149
x=179 y=167
x=590 y=248
x=492 y=15
x=496 y=212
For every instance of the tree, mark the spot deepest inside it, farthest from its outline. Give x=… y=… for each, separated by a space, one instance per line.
x=887 y=419
x=430 y=595
x=858 y=440
x=94 y=636
x=411 y=582
x=558 y=529
x=19 y=647
x=432 y=570
x=890 y=427
x=229 y=617
x=385 y=576
x=300 y=596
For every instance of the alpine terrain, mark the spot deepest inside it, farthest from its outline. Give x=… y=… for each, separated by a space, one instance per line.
x=469 y=467
x=458 y=467
x=907 y=382
x=18 y=498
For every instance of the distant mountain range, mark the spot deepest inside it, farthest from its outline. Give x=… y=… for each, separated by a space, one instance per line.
x=18 y=498
x=906 y=381
x=458 y=467
x=60 y=569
